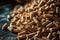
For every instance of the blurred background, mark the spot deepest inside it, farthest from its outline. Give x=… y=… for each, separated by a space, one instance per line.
x=5 y=8
x=6 y=1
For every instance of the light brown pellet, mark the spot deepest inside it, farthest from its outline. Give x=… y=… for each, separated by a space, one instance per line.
x=44 y=30
x=43 y=20
x=54 y=38
x=21 y=37
x=35 y=20
x=54 y=34
x=49 y=36
x=16 y=30
x=21 y=33
x=21 y=9
x=18 y=22
x=51 y=12
x=31 y=34
x=10 y=29
x=9 y=17
x=4 y=27
x=49 y=25
x=13 y=20
x=58 y=32
x=45 y=23
x=55 y=24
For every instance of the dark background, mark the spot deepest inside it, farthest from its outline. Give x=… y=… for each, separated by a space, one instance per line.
x=6 y=1
x=5 y=8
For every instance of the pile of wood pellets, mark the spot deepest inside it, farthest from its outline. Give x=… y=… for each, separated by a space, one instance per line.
x=36 y=20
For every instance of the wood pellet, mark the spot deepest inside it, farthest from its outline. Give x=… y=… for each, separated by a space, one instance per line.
x=35 y=20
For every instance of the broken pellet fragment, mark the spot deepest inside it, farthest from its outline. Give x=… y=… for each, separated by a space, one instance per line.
x=4 y=27
x=35 y=20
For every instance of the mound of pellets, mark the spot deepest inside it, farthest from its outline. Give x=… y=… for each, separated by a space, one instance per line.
x=37 y=20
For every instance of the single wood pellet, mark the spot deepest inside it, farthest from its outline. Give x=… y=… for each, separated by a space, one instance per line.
x=4 y=27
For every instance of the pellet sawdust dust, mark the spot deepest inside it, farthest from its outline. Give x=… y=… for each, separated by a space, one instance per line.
x=37 y=20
